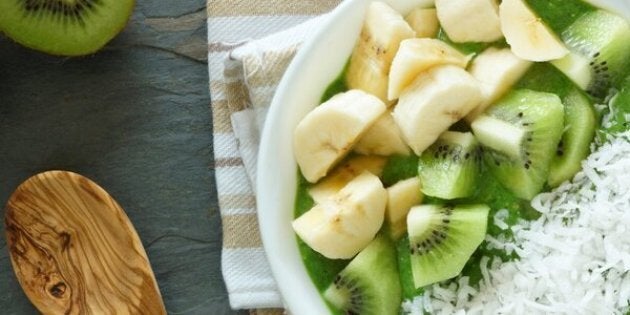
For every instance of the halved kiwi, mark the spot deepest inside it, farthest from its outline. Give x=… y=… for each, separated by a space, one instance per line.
x=370 y=284
x=519 y=135
x=600 y=51
x=580 y=120
x=64 y=27
x=442 y=238
x=448 y=169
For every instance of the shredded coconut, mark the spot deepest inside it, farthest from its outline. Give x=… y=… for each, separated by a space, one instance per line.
x=574 y=259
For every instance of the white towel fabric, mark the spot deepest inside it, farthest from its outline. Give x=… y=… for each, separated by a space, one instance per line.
x=244 y=75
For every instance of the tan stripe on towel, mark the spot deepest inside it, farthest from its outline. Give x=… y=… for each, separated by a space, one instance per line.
x=269 y=7
x=268 y=311
x=228 y=162
x=241 y=231
x=221 y=117
x=219 y=47
x=269 y=69
x=238 y=98
x=237 y=201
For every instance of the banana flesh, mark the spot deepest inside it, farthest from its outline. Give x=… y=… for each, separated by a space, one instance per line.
x=400 y=198
x=469 y=20
x=528 y=37
x=434 y=101
x=383 y=138
x=341 y=175
x=341 y=227
x=328 y=132
x=382 y=32
x=497 y=70
x=417 y=55
x=424 y=22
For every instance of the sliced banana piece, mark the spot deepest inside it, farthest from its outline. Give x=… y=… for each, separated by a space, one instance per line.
x=417 y=55
x=383 y=138
x=329 y=131
x=435 y=100
x=341 y=175
x=424 y=22
x=382 y=32
x=400 y=198
x=528 y=36
x=469 y=20
x=497 y=70
x=343 y=226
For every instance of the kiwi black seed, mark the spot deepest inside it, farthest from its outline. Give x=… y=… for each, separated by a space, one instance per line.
x=442 y=238
x=370 y=283
x=603 y=39
x=64 y=27
x=449 y=168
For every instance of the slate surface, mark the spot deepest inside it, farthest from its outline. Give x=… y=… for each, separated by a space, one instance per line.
x=135 y=118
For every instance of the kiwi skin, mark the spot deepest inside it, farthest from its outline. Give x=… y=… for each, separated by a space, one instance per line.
x=64 y=29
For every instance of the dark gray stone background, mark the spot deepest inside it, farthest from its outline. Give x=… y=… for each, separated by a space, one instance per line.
x=135 y=118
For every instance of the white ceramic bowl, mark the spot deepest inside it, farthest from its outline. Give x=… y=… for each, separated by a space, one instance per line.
x=317 y=64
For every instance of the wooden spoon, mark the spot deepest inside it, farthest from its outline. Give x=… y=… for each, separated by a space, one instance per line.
x=74 y=250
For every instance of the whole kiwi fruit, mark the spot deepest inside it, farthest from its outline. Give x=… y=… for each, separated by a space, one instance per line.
x=64 y=27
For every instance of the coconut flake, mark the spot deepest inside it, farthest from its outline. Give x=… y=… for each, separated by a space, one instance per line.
x=574 y=259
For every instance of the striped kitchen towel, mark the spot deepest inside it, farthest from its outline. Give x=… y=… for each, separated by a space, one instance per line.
x=251 y=43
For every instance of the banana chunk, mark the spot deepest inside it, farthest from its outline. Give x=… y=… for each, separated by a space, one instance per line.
x=469 y=20
x=341 y=175
x=417 y=55
x=435 y=100
x=382 y=32
x=400 y=198
x=343 y=226
x=383 y=138
x=497 y=70
x=424 y=22
x=328 y=132
x=528 y=36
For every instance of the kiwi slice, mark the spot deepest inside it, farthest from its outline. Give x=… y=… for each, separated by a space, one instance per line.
x=442 y=238
x=370 y=283
x=64 y=27
x=574 y=146
x=448 y=169
x=600 y=49
x=579 y=119
x=519 y=135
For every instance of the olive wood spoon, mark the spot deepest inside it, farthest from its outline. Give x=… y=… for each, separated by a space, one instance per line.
x=74 y=250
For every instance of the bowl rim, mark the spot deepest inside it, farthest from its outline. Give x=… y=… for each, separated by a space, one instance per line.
x=291 y=287
x=296 y=294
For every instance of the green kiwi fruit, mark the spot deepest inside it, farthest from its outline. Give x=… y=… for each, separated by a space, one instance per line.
x=64 y=27
x=442 y=238
x=448 y=169
x=603 y=40
x=580 y=119
x=369 y=284
x=619 y=108
x=519 y=135
x=578 y=133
